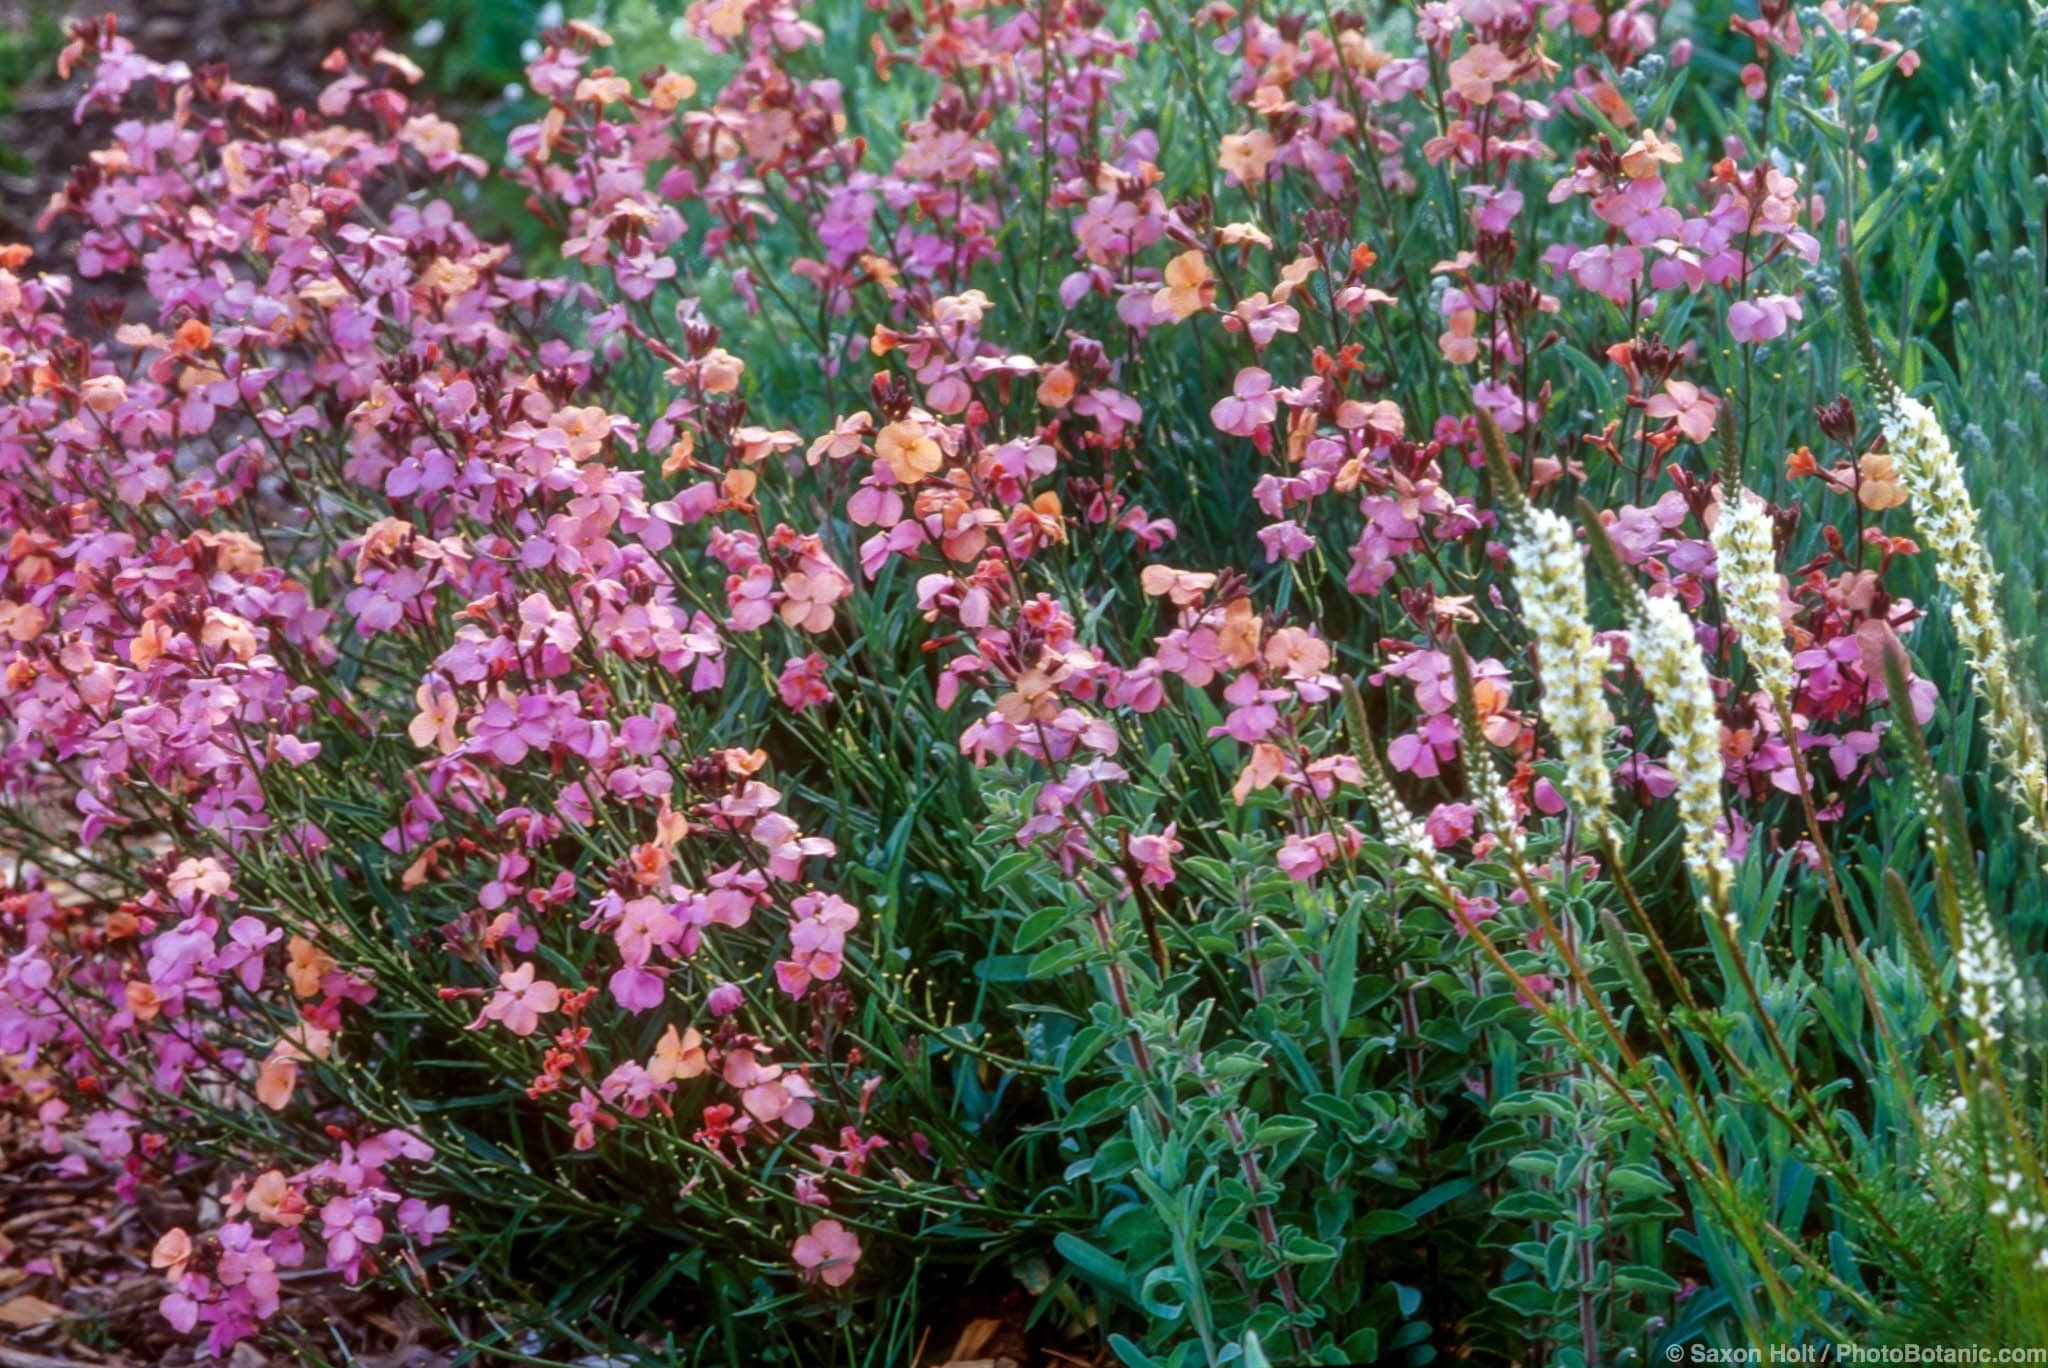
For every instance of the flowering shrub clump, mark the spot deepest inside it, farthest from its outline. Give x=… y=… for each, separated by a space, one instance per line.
x=1095 y=656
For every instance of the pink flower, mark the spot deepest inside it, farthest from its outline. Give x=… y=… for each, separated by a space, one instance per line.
x=827 y=1254
x=351 y=1229
x=1686 y=404
x=1762 y=318
x=1154 y=855
x=810 y=594
x=586 y=1115
x=1260 y=318
x=520 y=1001
x=636 y=988
x=1250 y=407
x=802 y=683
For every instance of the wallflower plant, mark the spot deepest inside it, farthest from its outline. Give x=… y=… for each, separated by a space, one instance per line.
x=1192 y=661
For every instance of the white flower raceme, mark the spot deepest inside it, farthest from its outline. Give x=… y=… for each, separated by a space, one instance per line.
x=1496 y=805
x=1933 y=479
x=2015 y=1202
x=1989 y=985
x=1667 y=655
x=1959 y=1156
x=1748 y=573
x=1404 y=830
x=1550 y=578
x=1987 y=980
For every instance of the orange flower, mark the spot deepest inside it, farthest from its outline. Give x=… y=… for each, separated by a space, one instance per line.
x=272 y=1199
x=1478 y=71
x=1033 y=697
x=908 y=450
x=719 y=372
x=276 y=1081
x=882 y=272
x=278 y=1078
x=848 y=437
x=678 y=1056
x=1457 y=342
x=1267 y=764
x=1184 y=587
x=602 y=88
x=649 y=862
x=173 y=1251
x=1238 y=637
x=670 y=89
x=426 y=867
x=143 y=1000
x=1293 y=652
x=1245 y=235
x=103 y=393
x=754 y=444
x=434 y=725
x=22 y=621
x=306 y=967
x=1877 y=482
x=1056 y=386
x=1190 y=287
x=222 y=628
x=1646 y=153
x=1247 y=155
x=199 y=877
x=681 y=453
x=1293 y=276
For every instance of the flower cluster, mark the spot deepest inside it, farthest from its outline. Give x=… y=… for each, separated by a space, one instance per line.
x=1744 y=556
x=228 y=1279
x=1550 y=580
x=1666 y=649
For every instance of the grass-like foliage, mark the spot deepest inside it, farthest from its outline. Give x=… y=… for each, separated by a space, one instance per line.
x=1324 y=684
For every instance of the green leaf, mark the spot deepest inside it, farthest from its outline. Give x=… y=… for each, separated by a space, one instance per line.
x=1429 y=1201
x=1644 y=1278
x=1129 y=1354
x=1635 y=1180
x=1279 y=1130
x=1299 y=1248
x=1378 y=1225
x=1094 y=1265
x=1038 y=926
x=1056 y=959
x=1150 y=1300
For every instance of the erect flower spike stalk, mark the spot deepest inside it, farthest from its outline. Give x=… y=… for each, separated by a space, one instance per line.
x=1550 y=579
x=1667 y=655
x=1932 y=476
x=1747 y=567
